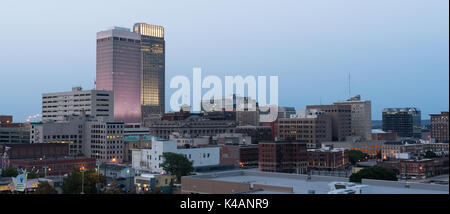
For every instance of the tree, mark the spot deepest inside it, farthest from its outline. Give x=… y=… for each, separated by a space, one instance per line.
x=177 y=164
x=9 y=172
x=355 y=155
x=45 y=188
x=114 y=188
x=32 y=175
x=72 y=184
x=430 y=154
x=374 y=172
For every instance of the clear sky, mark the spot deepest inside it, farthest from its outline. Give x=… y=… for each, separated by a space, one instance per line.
x=396 y=51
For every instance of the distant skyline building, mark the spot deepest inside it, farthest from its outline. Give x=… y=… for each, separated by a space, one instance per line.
x=97 y=103
x=361 y=116
x=119 y=69
x=153 y=68
x=406 y=122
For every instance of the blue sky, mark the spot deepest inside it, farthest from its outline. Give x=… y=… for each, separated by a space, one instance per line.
x=396 y=51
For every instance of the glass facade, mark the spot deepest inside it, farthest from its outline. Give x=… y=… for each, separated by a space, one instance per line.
x=153 y=68
x=119 y=70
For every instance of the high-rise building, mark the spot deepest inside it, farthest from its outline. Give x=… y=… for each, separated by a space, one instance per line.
x=153 y=68
x=361 y=116
x=97 y=103
x=439 y=127
x=119 y=70
x=341 y=119
x=406 y=122
x=311 y=126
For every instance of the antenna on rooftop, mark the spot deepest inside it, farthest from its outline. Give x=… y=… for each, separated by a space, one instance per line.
x=349 y=86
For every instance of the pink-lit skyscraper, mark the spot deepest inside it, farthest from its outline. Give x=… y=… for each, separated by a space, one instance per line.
x=119 y=70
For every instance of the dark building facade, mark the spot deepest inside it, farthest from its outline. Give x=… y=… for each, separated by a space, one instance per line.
x=153 y=68
x=439 y=127
x=55 y=166
x=239 y=155
x=406 y=122
x=282 y=156
x=119 y=70
x=37 y=150
x=257 y=133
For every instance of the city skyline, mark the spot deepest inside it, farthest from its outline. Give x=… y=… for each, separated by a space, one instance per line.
x=399 y=59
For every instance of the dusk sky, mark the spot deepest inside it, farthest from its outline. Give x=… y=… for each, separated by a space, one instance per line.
x=396 y=51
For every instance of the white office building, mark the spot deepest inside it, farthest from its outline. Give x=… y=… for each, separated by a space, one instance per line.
x=97 y=103
x=150 y=160
x=86 y=135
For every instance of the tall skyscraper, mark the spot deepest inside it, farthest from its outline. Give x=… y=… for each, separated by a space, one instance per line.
x=119 y=70
x=361 y=116
x=153 y=68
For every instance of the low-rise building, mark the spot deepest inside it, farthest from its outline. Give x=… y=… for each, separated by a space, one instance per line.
x=256 y=133
x=239 y=155
x=153 y=182
x=53 y=166
x=370 y=147
x=416 y=149
x=378 y=134
x=256 y=182
x=150 y=160
x=413 y=168
x=135 y=142
x=328 y=159
x=282 y=156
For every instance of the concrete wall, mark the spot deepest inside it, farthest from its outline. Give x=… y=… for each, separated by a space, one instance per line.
x=401 y=184
x=204 y=186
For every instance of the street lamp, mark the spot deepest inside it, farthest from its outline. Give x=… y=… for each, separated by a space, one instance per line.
x=82 y=170
x=45 y=171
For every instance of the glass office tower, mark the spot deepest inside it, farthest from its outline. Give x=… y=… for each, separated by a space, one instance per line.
x=406 y=122
x=119 y=70
x=153 y=68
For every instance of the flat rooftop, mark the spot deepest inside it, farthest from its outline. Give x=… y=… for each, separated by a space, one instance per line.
x=319 y=184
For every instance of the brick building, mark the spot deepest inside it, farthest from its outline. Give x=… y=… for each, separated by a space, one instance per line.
x=54 y=166
x=239 y=155
x=417 y=168
x=282 y=156
x=439 y=127
x=311 y=126
x=20 y=151
x=327 y=159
